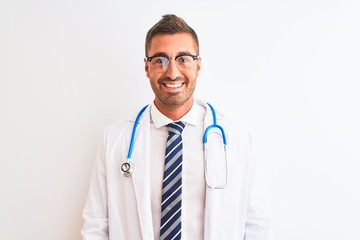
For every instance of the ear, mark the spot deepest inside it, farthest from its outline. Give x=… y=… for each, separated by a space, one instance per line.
x=146 y=68
x=198 y=66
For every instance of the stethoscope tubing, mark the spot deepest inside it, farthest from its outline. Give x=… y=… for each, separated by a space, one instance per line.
x=214 y=125
x=128 y=167
x=132 y=139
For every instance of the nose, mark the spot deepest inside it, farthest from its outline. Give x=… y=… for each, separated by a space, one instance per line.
x=172 y=72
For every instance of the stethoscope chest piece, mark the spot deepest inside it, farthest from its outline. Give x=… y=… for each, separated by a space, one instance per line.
x=127 y=168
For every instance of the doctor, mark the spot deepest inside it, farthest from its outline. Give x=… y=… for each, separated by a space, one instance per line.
x=214 y=199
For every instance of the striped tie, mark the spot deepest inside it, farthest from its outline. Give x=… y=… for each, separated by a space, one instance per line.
x=170 y=227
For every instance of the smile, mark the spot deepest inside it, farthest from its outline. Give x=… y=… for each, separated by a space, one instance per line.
x=173 y=85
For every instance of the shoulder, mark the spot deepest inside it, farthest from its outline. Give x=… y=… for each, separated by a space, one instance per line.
x=125 y=125
x=117 y=126
x=238 y=130
x=115 y=131
x=233 y=127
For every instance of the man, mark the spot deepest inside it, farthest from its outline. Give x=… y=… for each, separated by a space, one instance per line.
x=170 y=187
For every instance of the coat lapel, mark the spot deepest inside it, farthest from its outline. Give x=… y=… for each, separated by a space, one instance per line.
x=141 y=175
x=212 y=199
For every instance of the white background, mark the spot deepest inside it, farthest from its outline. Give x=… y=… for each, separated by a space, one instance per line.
x=288 y=69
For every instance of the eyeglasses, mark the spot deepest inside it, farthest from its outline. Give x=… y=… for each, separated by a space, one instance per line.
x=184 y=62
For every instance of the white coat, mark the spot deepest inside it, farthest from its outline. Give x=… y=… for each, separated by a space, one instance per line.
x=119 y=208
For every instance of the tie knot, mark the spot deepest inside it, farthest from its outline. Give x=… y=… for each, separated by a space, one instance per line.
x=176 y=127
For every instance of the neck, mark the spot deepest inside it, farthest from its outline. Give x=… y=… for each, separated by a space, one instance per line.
x=174 y=113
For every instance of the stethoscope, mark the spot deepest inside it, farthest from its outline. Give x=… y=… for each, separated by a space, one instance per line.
x=127 y=168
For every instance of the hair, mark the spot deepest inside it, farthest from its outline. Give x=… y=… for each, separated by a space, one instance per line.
x=170 y=24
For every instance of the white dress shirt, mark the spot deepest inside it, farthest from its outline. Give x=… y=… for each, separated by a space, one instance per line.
x=193 y=185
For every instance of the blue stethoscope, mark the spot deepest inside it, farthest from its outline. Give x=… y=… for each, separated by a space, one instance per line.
x=127 y=167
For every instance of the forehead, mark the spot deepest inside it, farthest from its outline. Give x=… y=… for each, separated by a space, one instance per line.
x=172 y=44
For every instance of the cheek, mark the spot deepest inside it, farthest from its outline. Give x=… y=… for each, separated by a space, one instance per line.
x=153 y=77
x=150 y=75
x=192 y=76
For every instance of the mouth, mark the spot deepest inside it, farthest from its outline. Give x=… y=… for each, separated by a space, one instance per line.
x=173 y=85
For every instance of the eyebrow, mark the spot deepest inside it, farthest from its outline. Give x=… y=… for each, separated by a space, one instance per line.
x=162 y=54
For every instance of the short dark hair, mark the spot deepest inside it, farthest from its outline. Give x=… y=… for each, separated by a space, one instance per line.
x=170 y=24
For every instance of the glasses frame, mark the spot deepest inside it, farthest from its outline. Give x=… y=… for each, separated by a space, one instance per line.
x=194 y=57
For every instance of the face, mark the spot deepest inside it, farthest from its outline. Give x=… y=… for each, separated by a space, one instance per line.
x=174 y=88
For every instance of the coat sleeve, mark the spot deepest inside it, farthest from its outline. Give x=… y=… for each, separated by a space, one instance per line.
x=95 y=213
x=257 y=221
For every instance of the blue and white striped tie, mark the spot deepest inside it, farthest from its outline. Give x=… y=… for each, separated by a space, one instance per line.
x=170 y=227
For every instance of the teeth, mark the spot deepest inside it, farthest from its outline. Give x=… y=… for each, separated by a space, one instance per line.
x=173 y=85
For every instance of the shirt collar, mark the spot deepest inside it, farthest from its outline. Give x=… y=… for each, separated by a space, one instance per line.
x=192 y=117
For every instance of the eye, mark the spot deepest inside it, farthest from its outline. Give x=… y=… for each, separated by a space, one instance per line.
x=183 y=59
x=160 y=60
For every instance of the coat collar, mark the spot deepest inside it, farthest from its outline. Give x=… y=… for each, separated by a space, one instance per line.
x=145 y=117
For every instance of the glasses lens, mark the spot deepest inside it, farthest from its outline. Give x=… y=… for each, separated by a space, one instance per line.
x=159 y=64
x=184 y=63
